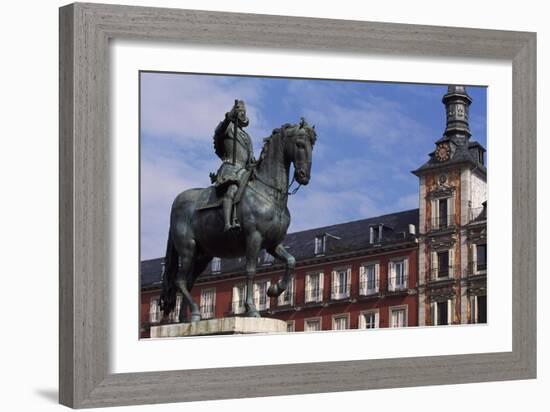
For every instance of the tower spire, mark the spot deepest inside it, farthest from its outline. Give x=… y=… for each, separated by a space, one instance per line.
x=457 y=104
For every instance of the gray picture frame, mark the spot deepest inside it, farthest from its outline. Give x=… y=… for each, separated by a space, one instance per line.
x=85 y=32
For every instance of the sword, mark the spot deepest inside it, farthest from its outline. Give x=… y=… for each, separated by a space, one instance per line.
x=235 y=131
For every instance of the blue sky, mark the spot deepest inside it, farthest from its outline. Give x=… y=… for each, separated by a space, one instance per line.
x=370 y=136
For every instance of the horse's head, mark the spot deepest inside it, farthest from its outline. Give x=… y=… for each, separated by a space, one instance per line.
x=299 y=141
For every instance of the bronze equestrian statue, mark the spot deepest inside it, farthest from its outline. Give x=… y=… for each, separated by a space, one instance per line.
x=199 y=227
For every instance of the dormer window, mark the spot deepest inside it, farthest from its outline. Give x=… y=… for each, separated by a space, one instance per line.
x=216 y=265
x=320 y=242
x=375 y=235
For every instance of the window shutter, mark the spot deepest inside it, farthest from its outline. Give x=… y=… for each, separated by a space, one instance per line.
x=391 y=276
x=406 y=272
x=376 y=276
x=474 y=258
x=308 y=288
x=435 y=266
x=451 y=262
x=449 y=311
x=376 y=319
x=362 y=322
x=267 y=298
x=348 y=283
x=291 y=290
x=256 y=295
x=450 y=211
x=435 y=214
x=434 y=313
x=334 y=284
x=362 y=282
x=321 y=286
x=177 y=308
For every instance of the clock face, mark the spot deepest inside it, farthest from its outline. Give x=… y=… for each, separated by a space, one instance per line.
x=442 y=152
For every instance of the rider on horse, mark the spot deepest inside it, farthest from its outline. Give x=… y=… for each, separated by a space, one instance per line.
x=234 y=147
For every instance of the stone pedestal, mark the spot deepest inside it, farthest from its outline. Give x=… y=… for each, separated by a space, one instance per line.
x=222 y=326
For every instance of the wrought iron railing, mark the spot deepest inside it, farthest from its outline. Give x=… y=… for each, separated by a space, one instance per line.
x=441 y=222
x=313 y=295
x=340 y=292
x=237 y=307
x=477 y=267
x=207 y=311
x=398 y=283
x=369 y=287
x=442 y=272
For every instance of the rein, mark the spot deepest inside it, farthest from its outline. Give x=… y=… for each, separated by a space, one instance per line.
x=280 y=191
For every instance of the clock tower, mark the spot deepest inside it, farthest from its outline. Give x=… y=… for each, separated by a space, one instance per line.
x=452 y=222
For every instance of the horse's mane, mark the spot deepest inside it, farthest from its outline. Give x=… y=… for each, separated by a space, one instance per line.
x=283 y=130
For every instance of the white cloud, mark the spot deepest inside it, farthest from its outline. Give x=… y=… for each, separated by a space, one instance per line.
x=188 y=107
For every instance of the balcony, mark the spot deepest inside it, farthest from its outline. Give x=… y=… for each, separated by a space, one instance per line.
x=207 y=311
x=441 y=223
x=237 y=307
x=442 y=273
x=369 y=287
x=477 y=268
x=398 y=283
x=313 y=295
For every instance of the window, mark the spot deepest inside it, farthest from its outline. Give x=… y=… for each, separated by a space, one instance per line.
x=369 y=320
x=261 y=300
x=442 y=209
x=312 y=325
x=154 y=311
x=398 y=317
x=398 y=274
x=320 y=242
x=481 y=258
x=442 y=213
x=340 y=322
x=290 y=326
x=175 y=314
x=207 y=303
x=314 y=287
x=287 y=297
x=375 y=234
x=369 y=276
x=479 y=309
x=442 y=312
x=239 y=297
x=442 y=264
x=341 y=282
x=216 y=265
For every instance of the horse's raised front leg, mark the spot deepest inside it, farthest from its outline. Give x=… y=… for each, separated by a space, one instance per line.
x=281 y=253
x=253 y=243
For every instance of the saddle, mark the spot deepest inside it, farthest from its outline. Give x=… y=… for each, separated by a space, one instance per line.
x=210 y=199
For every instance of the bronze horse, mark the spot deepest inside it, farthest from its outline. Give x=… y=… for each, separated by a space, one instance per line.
x=196 y=236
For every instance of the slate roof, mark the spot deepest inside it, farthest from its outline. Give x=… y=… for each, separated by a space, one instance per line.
x=463 y=154
x=340 y=238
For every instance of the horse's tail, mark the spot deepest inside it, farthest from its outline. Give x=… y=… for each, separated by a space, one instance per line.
x=169 y=287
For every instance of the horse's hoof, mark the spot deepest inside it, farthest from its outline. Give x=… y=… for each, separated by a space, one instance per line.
x=274 y=291
x=195 y=317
